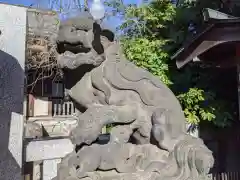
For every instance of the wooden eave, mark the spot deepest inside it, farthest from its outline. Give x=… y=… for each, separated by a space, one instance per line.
x=219 y=31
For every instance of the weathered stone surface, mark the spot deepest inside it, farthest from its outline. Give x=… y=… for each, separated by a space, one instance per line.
x=55 y=127
x=42 y=23
x=149 y=139
x=50 y=169
x=36 y=172
x=33 y=130
x=48 y=149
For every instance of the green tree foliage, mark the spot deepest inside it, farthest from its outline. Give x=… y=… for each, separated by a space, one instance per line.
x=151 y=33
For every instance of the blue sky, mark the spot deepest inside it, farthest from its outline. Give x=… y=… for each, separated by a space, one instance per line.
x=111 y=23
x=22 y=2
x=28 y=2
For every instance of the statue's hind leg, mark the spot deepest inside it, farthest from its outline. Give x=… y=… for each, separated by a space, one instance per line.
x=165 y=130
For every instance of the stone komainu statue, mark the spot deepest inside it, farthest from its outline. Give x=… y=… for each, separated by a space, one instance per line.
x=149 y=139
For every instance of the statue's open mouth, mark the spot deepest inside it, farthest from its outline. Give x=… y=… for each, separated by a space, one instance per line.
x=72 y=47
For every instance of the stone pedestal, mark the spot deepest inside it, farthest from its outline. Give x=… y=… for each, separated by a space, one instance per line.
x=13 y=29
x=50 y=168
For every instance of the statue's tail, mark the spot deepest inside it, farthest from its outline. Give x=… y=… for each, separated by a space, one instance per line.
x=189 y=157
